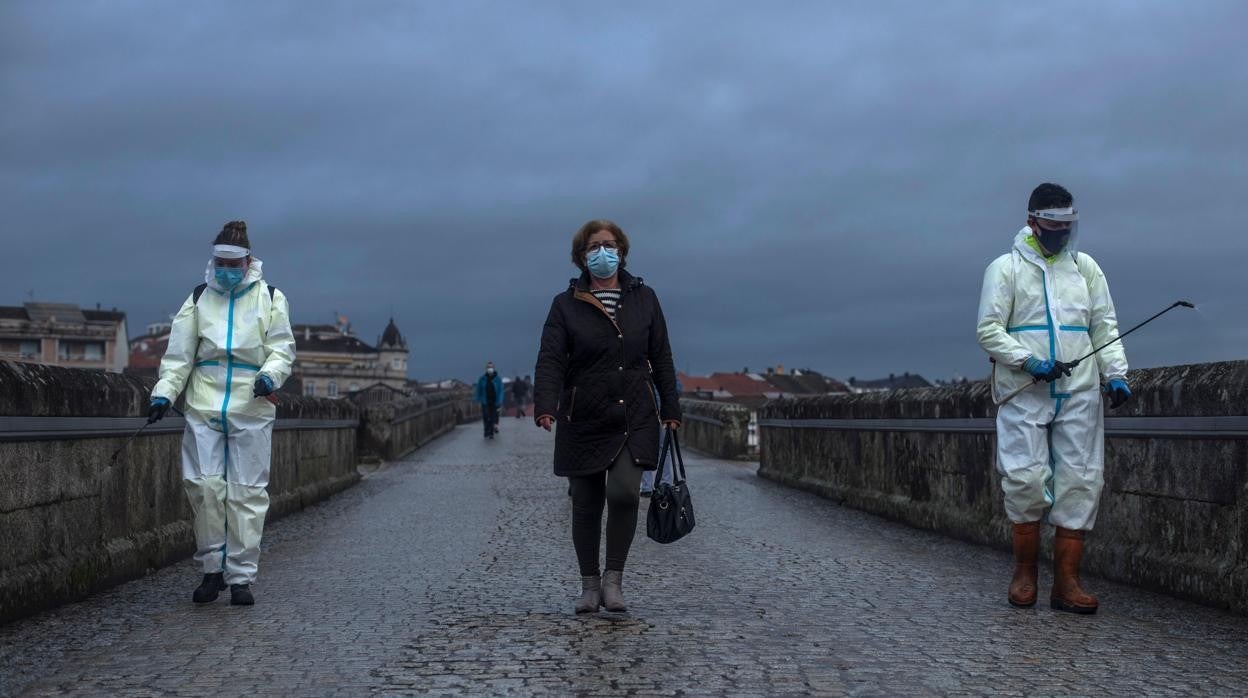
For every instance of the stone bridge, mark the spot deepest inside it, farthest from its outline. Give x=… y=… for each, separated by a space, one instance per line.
x=448 y=569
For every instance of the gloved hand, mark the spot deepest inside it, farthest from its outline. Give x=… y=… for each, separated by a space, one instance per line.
x=264 y=386
x=156 y=411
x=1118 y=392
x=1046 y=370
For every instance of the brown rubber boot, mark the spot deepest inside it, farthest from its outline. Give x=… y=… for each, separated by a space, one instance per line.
x=1026 y=575
x=591 y=594
x=613 y=592
x=1067 y=554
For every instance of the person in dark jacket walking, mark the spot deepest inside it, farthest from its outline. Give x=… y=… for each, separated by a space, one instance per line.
x=604 y=351
x=490 y=396
x=520 y=394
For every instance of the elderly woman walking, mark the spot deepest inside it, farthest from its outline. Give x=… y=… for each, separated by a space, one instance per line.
x=604 y=351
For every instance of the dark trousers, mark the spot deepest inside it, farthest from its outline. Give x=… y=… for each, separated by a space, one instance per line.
x=489 y=415
x=616 y=490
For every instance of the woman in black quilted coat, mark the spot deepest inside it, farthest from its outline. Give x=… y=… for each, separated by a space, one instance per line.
x=604 y=349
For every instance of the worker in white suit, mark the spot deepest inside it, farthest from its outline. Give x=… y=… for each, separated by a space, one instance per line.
x=230 y=348
x=1044 y=305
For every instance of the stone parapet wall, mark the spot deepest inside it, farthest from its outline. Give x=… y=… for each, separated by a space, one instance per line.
x=717 y=428
x=391 y=430
x=73 y=522
x=1174 y=511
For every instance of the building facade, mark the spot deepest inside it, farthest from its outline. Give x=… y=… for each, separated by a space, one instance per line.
x=62 y=334
x=330 y=361
x=148 y=349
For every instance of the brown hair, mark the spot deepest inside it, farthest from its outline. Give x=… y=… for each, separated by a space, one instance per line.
x=234 y=233
x=580 y=241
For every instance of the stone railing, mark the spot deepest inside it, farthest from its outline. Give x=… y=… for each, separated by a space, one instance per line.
x=1174 y=511
x=391 y=430
x=720 y=429
x=74 y=522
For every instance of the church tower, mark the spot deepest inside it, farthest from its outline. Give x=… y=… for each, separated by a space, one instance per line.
x=392 y=354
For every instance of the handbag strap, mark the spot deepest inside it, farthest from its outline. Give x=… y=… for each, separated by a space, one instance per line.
x=671 y=442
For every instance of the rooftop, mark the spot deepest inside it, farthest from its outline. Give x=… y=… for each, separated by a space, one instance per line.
x=59 y=312
x=893 y=382
x=391 y=337
x=339 y=344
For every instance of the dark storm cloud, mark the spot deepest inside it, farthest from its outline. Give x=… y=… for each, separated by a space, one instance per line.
x=812 y=184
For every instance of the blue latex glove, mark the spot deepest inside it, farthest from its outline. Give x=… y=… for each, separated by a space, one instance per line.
x=264 y=386
x=1048 y=369
x=157 y=409
x=1037 y=368
x=1119 y=392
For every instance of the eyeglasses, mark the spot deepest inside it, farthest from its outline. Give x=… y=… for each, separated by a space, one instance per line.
x=609 y=244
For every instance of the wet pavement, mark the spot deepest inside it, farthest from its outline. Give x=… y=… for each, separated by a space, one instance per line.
x=452 y=572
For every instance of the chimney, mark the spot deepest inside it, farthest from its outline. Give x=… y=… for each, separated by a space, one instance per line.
x=307 y=334
x=779 y=369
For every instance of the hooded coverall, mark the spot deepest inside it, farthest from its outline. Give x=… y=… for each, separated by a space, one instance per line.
x=217 y=347
x=1051 y=438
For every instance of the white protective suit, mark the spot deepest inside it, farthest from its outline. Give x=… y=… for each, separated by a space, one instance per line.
x=219 y=345
x=1051 y=438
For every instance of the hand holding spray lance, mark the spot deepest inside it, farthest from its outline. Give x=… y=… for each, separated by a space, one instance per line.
x=1076 y=362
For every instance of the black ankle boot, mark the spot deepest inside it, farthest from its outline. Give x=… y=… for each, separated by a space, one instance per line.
x=240 y=595
x=208 y=590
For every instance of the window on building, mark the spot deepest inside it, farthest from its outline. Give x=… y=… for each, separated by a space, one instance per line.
x=70 y=350
x=30 y=349
x=333 y=389
x=309 y=388
x=355 y=387
x=396 y=363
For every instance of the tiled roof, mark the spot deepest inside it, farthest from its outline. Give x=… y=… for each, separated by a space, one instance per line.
x=806 y=383
x=104 y=315
x=893 y=382
x=61 y=312
x=741 y=384
x=694 y=384
x=340 y=344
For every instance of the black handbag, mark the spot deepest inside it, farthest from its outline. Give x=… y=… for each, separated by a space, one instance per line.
x=671 y=507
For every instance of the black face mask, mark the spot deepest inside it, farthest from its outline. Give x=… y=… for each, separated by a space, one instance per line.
x=1053 y=241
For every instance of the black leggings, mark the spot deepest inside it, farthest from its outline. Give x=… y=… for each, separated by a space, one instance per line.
x=617 y=488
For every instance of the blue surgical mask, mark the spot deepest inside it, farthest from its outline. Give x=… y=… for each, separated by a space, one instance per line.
x=228 y=277
x=603 y=262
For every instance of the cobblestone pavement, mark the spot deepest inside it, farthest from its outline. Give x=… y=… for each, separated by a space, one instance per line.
x=452 y=572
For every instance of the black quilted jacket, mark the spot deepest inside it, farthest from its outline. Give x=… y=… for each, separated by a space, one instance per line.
x=596 y=377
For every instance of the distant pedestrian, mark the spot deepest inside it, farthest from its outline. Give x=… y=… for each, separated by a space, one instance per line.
x=490 y=396
x=519 y=394
x=230 y=348
x=593 y=380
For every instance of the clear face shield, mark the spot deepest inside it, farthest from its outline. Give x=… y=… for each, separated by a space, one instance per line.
x=1056 y=229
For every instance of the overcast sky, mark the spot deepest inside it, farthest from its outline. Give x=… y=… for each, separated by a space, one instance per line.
x=813 y=184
